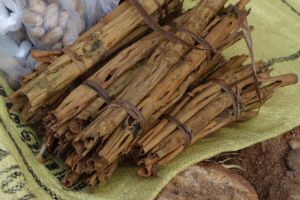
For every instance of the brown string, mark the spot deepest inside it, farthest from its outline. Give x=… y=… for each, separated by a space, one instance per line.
x=187 y=132
x=244 y=25
x=202 y=41
x=96 y=86
x=167 y=10
x=133 y=111
x=156 y=27
x=160 y=10
x=81 y=66
x=227 y=89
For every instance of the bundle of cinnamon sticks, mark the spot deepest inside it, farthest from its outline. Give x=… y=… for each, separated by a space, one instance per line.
x=124 y=91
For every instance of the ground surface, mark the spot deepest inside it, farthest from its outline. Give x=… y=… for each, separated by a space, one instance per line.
x=266 y=171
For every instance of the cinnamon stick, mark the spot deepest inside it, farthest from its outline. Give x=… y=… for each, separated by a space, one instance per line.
x=212 y=117
x=107 y=75
x=90 y=48
x=162 y=60
x=168 y=92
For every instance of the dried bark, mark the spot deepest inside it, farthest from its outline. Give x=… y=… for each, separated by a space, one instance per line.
x=165 y=57
x=167 y=93
x=214 y=115
x=76 y=102
x=83 y=95
x=89 y=49
x=152 y=77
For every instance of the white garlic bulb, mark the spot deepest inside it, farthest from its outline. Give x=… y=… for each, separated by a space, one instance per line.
x=63 y=19
x=52 y=37
x=51 y=16
x=38 y=32
x=38 y=6
x=32 y=19
x=57 y=45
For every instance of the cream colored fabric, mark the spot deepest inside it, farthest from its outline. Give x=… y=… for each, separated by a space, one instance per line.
x=276 y=40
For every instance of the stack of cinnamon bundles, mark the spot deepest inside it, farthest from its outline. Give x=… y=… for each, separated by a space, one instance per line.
x=144 y=84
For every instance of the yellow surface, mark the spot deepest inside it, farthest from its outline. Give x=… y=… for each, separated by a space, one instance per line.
x=276 y=40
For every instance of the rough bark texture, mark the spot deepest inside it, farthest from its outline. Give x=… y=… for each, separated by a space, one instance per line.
x=208 y=181
x=89 y=49
x=164 y=91
x=159 y=64
x=212 y=116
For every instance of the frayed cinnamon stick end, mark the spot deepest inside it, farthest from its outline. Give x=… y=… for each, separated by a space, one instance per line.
x=40 y=157
x=70 y=179
x=148 y=171
x=92 y=181
x=288 y=79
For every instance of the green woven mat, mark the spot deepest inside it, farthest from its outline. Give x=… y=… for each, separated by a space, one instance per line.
x=276 y=39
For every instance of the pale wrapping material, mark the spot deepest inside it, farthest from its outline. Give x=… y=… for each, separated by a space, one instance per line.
x=53 y=24
x=13 y=58
x=276 y=39
x=11 y=15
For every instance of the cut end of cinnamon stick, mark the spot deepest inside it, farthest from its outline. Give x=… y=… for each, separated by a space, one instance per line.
x=70 y=179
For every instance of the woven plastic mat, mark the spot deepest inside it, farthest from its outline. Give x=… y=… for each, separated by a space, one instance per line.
x=276 y=40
